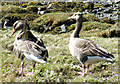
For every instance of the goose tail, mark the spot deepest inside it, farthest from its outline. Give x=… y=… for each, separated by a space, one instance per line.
x=109 y=59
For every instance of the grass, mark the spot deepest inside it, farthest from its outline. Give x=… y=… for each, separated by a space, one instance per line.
x=62 y=67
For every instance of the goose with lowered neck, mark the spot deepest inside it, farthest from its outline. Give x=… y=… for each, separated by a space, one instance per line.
x=84 y=50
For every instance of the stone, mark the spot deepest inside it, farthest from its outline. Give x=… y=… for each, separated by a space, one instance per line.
x=63 y=29
x=7 y=24
x=110 y=33
x=42 y=8
x=42 y=12
x=10 y=47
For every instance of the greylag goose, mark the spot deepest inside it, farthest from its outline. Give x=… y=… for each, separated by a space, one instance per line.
x=84 y=50
x=27 y=46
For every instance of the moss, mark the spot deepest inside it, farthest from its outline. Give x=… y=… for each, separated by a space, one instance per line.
x=42 y=8
x=90 y=17
x=34 y=2
x=89 y=5
x=32 y=9
x=12 y=16
x=24 y=5
x=111 y=32
x=30 y=17
x=12 y=9
x=36 y=27
x=91 y=25
x=80 y=9
x=108 y=20
x=71 y=27
x=95 y=25
x=53 y=19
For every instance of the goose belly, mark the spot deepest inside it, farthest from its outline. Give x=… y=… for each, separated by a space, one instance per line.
x=95 y=59
x=31 y=57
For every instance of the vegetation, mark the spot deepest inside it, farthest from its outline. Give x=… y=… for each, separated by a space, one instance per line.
x=62 y=67
x=90 y=17
x=11 y=9
x=89 y=5
x=32 y=9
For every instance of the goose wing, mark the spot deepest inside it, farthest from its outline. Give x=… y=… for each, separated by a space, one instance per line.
x=30 y=48
x=89 y=48
x=30 y=37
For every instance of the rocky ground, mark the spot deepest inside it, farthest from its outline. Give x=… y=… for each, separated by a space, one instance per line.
x=52 y=17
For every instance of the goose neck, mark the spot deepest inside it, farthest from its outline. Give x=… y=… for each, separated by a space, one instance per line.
x=78 y=28
x=25 y=27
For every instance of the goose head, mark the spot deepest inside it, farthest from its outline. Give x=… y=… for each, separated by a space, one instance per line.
x=20 y=25
x=76 y=16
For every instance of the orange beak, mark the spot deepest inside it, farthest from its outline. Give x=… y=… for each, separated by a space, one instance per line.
x=13 y=31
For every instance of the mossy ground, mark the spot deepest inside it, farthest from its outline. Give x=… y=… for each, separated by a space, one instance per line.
x=62 y=67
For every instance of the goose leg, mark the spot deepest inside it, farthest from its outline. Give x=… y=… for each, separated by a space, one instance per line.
x=33 y=67
x=82 y=73
x=87 y=69
x=21 y=71
x=22 y=64
x=83 y=66
x=31 y=73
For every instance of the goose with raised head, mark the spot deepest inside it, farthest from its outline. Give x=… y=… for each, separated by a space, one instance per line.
x=84 y=50
x=27 y=46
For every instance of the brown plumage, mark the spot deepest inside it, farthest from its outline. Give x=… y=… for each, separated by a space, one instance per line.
x=84 y=50
x=27 y=46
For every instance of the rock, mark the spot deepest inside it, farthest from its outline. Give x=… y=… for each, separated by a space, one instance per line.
x=114 y=31
x=89 y=6
x=7 y=24
x=39 y=4
x=100 y=9
x=63 y=29
x=108 y=20
x=110 y=33
x=10 y=47
x=45 y=27
x=42 y=8
x=108 y=10
x=107 y=15
x=32 y=9
x=49 y=7
x=42 y=12
x=106 y=5
x=96 y=7
x=94 y=11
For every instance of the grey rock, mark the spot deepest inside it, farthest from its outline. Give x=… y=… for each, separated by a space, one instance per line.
x=10 y=47
x=6 y=24
x=63 y=29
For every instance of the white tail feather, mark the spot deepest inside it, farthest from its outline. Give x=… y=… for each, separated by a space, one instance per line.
x=94 y=59
x=34 y=58
x=109 y=59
